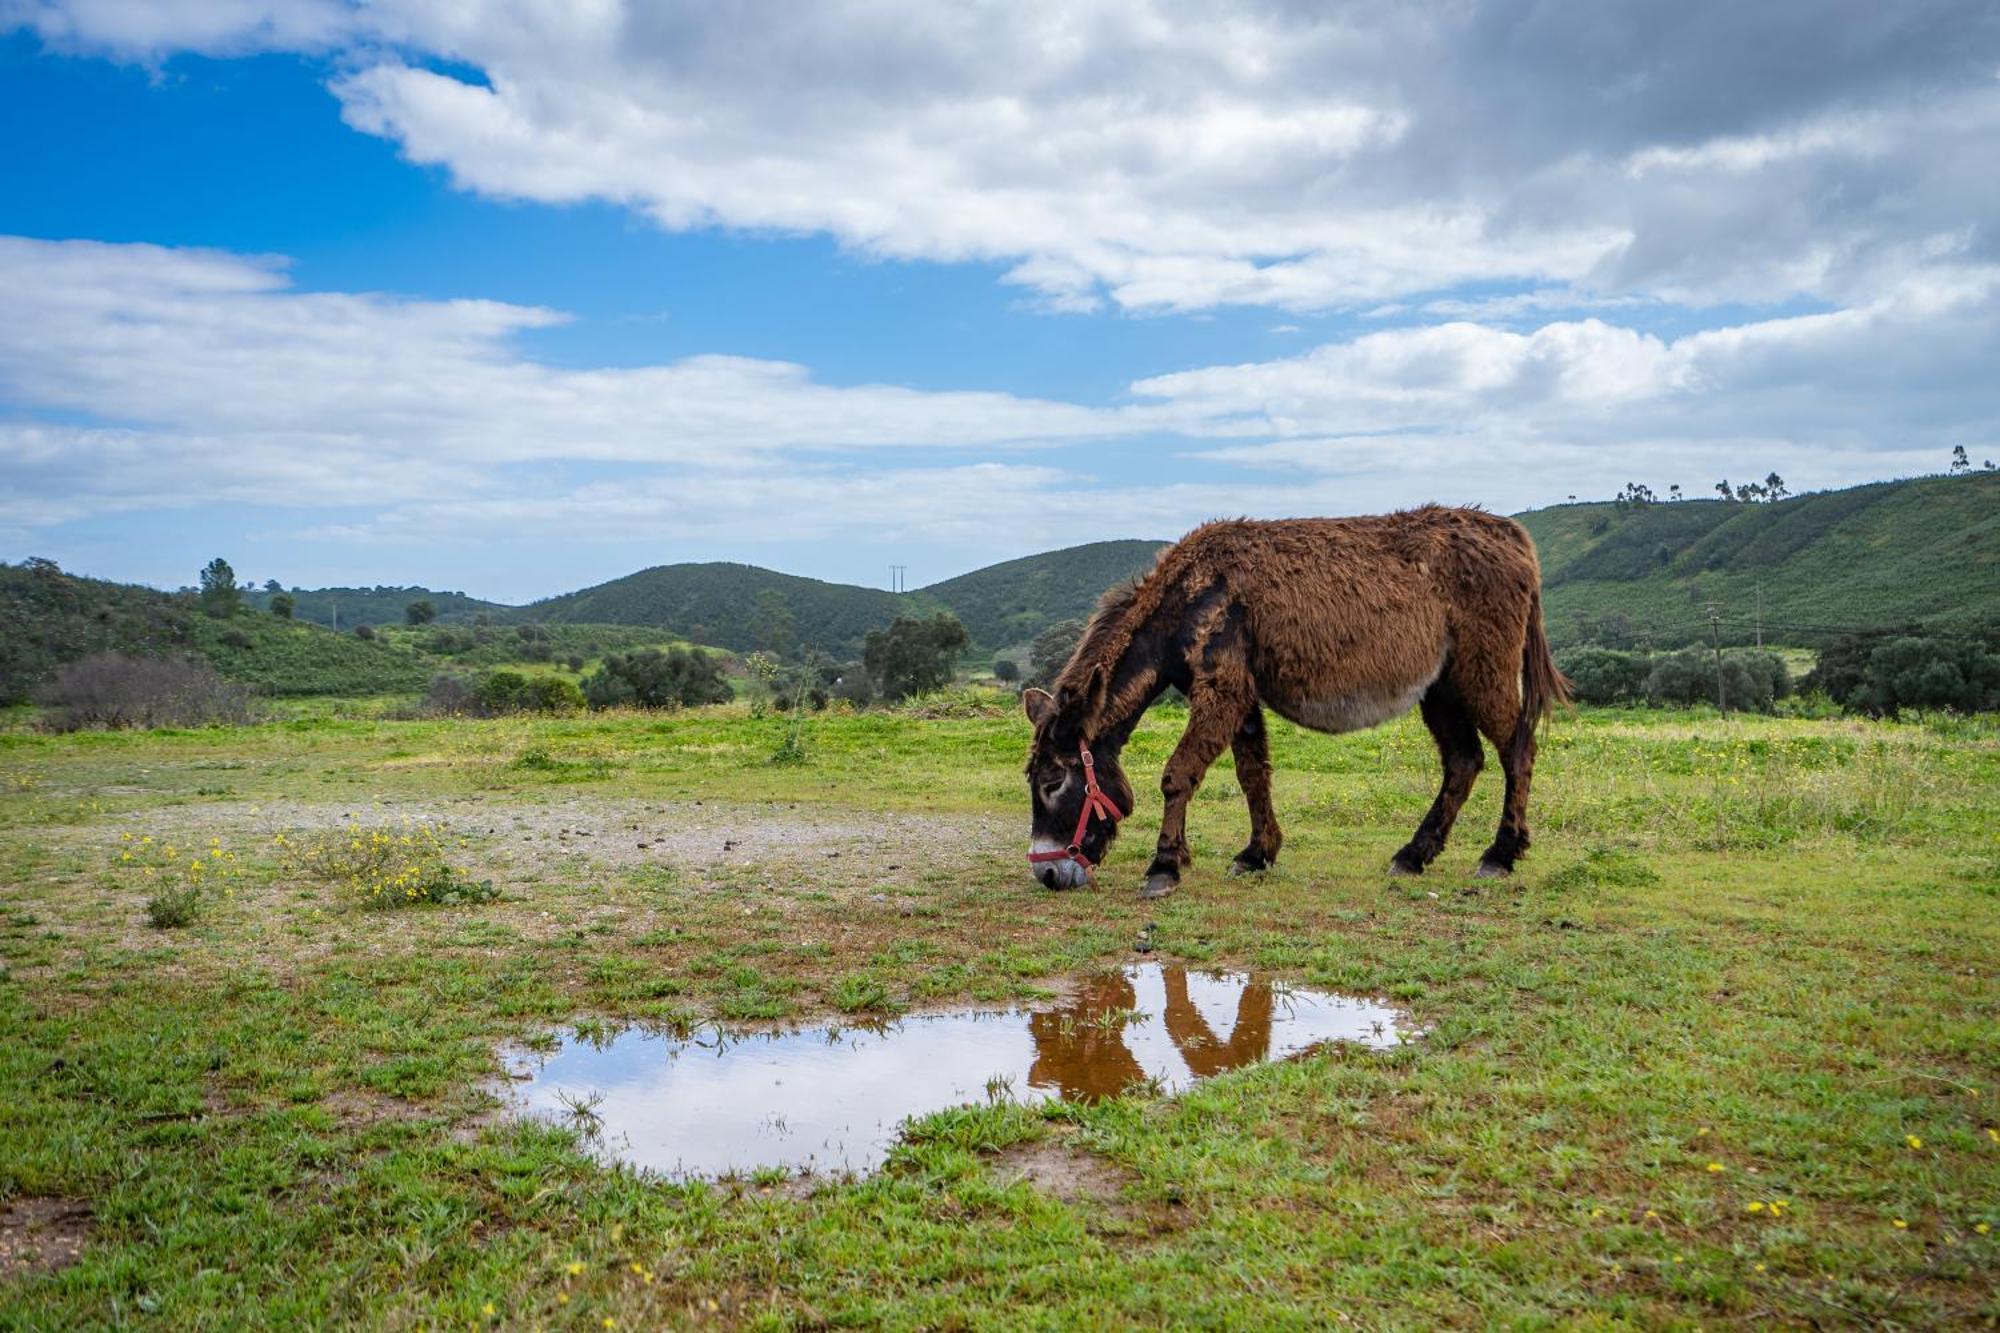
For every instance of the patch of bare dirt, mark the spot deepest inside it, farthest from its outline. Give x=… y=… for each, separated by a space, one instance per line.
x=41 y=1235
x=1062 y=1171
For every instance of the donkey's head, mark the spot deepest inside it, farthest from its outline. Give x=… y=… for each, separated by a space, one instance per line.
x=1076 y=798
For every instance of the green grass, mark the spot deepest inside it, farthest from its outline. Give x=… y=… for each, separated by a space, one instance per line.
x=1763 y=944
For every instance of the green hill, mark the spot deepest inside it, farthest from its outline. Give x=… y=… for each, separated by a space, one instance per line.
x=344 y=608
x=1010 y=603
x=1923 y=552
x=720 y=604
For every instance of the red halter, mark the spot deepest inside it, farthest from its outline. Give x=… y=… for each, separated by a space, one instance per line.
x=1095 y=802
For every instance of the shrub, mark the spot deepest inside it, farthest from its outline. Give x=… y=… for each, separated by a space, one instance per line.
x=113 y=690
x=387 y=865
x=1752 y=681
x=851 y=685
x=649 y=678
x=1605 y=675
x=574 y=661
x=283 y=605
x=420 y=612
x=1882 y=677
x=234 y=638
x=915 y=656
x=450 y=696
x=1006 y=668
x=364 y=631
x=174 y=906
x=1051 y=652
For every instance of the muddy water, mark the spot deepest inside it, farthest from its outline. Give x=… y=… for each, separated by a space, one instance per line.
x=832 y=1099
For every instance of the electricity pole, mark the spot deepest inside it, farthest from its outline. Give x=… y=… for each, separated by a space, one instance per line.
x=896 y=577
x=1715 y=634
x=1760 y=615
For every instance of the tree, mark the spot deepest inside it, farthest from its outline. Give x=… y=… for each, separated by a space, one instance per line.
x=219 y=594
x=915 y=656
x=1960 y=464
x=1674 y=491
x=273 y=587
x=1722 y=489
x=771 y=623
x=650 y=678
x=283 y=605
x=420 y=612
x=1774 y=487
x=1051 y=651
x=1006 y=668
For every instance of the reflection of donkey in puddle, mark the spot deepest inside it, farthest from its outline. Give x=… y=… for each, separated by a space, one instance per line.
x=1081 y=1052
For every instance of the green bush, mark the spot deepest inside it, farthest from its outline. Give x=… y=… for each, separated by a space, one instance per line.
x=1051 y=651
x=1883 y=676
x=1006 y=668
x=1752 y=681
x=1605 y=675
x=649 y=678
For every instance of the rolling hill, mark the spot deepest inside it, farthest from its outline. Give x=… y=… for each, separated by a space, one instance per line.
x=344 y=608
x=1923 y=552
x=719 y=604
x=1010 y=603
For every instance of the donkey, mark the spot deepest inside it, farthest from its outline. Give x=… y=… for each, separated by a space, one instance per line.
x=1336 y=624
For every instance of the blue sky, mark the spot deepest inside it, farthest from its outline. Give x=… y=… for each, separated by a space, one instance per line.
x=514 y=297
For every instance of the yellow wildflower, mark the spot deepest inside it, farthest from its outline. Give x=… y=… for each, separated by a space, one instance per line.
x=1899 y=1224
x=1982 y=1228
x=1754 y=1207
x=1715 y=1166
x=575 y=1268
x=1913 y=1140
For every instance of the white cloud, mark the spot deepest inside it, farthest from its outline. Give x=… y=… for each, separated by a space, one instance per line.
x=1163 y=155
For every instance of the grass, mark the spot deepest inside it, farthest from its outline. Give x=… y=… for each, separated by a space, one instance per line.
x=1731 y=1024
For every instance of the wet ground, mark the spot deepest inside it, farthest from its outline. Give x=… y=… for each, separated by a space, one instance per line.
x=832 y=1099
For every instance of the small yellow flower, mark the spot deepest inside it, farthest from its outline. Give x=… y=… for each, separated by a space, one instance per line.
x=562 y=1298
x=1702 y=1132
x=1678 y=1259
x=1759 y=1267
x=575 y=1268
x=1913 y=1140
x=1899 y=1224
x=1982 y=1228
x=1993 y=1134
x=638 y=1267
x=609 y=1322
x=488 y=1310
x=1715 y=1166
x=1652 y=1216
x=1753 y=1207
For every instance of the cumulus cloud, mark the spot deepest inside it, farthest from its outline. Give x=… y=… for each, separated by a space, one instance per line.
x=1163 y=155
x=138 y=377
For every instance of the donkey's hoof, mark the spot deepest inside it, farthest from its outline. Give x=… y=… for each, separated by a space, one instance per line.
x=1242 y=867
x=1159 y=886
x=1398 y=869
x=1492 y=870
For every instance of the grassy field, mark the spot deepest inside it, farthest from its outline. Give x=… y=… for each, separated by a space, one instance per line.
x=1726 y=1050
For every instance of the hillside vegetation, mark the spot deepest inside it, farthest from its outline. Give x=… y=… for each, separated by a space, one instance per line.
x=1012 y=602
x=381 y=605
x=1920 y=553
x=718 y=603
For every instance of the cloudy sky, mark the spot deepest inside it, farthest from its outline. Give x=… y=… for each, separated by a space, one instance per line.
x=516 y=295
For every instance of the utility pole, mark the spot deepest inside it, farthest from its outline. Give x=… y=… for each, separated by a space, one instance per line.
x=1760 y=614
x=896 y=577
x=1715 y=634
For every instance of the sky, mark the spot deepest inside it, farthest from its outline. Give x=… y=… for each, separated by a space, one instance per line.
x=514 y=296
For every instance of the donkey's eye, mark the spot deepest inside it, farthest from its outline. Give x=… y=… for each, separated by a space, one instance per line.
x=1051 y=790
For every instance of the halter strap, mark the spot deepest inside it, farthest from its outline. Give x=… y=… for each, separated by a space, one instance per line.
x=1095 y=803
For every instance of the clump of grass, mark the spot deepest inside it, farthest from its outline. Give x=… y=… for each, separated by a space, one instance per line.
x=388 y=865
x=1604 y=867
x=858 y=991
x=174 y=906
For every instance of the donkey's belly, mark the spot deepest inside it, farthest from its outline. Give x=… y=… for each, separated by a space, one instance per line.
x=1353 y=709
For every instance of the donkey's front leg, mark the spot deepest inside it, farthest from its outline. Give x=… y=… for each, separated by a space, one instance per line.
x=1210 y=726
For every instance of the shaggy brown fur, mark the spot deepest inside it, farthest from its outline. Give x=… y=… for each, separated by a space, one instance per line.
x=1336 y=624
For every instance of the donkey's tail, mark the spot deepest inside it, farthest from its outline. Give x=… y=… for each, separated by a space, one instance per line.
x=1543 y=687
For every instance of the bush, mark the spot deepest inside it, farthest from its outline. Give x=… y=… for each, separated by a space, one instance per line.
x=915 y=656
x=234 y=638
x=420 y=612
x=1752 y=681
x=1051 y=652
x=1006 y=668
x=113 y=690
x=649 y=678
x=364 y=631
x=283 y=604
x=387 y=865
x=1605 y=675
x=173 y=907
x=1883 y=677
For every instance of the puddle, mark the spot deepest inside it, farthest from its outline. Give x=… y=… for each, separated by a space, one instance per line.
x=833 y=1099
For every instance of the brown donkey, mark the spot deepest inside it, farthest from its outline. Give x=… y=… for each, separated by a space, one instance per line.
x=1337 y=624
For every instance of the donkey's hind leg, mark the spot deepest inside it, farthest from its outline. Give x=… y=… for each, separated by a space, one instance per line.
x=1252 y=747
x=1457 y=740
x=1497 y=709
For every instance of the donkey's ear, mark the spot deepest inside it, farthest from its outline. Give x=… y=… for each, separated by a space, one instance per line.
x=1040 y=704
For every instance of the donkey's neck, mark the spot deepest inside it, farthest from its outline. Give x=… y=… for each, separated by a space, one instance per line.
x=1137 y=677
